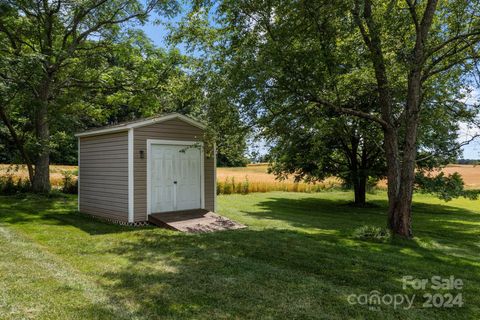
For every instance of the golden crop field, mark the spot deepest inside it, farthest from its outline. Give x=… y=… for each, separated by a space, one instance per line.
x=21 y=172
x=470 y=174
x=253 y=178
x=261 y=181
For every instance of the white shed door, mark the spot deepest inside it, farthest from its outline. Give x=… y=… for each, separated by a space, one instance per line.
x=175 y=178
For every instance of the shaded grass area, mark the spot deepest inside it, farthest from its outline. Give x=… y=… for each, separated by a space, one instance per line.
x=297 y=259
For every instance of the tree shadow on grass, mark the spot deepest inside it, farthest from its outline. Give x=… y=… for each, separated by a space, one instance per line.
x=338 y=215
x=267 y=274
x=53 y=210
x=25 y=208
x=438 y=227
x=318 y=213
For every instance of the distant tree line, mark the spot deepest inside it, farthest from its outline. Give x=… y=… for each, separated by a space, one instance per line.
x=468 y=161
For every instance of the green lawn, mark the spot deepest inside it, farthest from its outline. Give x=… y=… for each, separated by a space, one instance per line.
x=296 y=259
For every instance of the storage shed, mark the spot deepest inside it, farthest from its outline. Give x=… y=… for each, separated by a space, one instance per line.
x=134 y=169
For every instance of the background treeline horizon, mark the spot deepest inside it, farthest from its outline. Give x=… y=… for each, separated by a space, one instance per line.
x=69 y=157
x=468 y=161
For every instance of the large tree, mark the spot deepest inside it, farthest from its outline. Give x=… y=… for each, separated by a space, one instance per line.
x=312 y=145
x=310 y=54
x=343 y=147
x=437 y=39
x=46 y=50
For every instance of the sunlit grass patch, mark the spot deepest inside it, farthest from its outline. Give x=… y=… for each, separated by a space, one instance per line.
x=296 y=259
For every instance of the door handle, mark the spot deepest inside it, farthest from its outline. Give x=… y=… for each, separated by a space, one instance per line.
x=174 y=182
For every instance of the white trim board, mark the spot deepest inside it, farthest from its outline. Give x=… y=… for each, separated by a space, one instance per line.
x=143 y=123
x=150 y=142
x=131 y=177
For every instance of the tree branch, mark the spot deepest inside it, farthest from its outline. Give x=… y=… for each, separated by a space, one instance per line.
x=413 y=13
x=458 y=37
x=352 y=112
x=460 y=145
x=427 y=20
x=18 y=142
x=433 y=72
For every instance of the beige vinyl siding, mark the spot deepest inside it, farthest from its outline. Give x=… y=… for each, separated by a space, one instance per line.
x=104 y=175
x=169 y=130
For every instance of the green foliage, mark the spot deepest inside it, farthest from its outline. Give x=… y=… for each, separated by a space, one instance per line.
x=230 y=186
x=245 y=186
x=290 y=66
x=70 y=184
x=230 y=160
x=63 y=148
x=372 y=233
x=78 y=62
x=224 y=188
x=9 y=185
x=445 y=187
x=102 y=72
x=342 y=147
x=468 y=161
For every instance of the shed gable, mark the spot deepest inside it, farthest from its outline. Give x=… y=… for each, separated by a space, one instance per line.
x=175 y=129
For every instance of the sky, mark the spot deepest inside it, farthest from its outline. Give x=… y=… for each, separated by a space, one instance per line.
x=157 y=34
x=472 y=150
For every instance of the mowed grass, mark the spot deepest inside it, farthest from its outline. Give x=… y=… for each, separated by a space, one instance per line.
x=296 y=260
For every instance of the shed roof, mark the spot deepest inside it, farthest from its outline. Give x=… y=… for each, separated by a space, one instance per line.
x=140 y=123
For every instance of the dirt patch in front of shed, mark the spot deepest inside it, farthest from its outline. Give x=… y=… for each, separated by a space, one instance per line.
x=194 y=221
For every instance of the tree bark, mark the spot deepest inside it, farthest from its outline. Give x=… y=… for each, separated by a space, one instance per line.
x=401 y=216
x=18 y=143
x=41 y=178
x=393 y=172
x=360 y=190
x=400 y=170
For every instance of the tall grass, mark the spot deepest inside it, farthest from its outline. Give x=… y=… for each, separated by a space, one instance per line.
x=11 y=185
x=255 y=178
x=231 y=186
x=57 y=173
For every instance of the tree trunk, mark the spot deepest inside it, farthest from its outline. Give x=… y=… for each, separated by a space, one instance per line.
x=41 y=178
x=18 y=143
x=393 y=172
x=400 y=174
x=402 y=223
x=360 y=190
